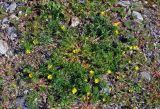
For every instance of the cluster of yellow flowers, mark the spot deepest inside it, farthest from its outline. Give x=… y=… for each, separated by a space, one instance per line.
x=134 y=47
x=49 y=77
x=91 y=74
x=116 y=24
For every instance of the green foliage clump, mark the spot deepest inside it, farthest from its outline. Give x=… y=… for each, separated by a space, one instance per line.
x=82 y=54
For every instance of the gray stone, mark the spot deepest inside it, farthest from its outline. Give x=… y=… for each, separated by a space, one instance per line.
x=10 y=30
x=21 y=3
x=5 y=23
x=12 y=33
x=26 y=92
x=3 y=47
x=106 y=91
x=11 y=7
x=75 y=21
x=124 y=3
x=20 y=102
x=5 y=5
x=13 y=36
x=146 y=75
x=5 y=20
x=137 y=15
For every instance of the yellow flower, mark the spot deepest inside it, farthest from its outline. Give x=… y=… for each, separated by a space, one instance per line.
x=130 y=47
x=85 y=80
x=116 y=23
x=50 y=66
x=35 y=41
x=63 y=28
x=102 y=13
x=49 y=77
x=136 y=68
x=91 y=73
x=123 y=53
x=28 y=51
x=104 y=99
x=74 y=90
x=117 y=32
x=88 y=93
x=22 y=41
x=19 y=107
x=130 y=90
x=30 y=75
x=96 y=80
x=109 y=72
x=135 y=107
x=135 y=47
x=77 y=50
x=110 y=89
x=118 y=77
x=129 y=61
